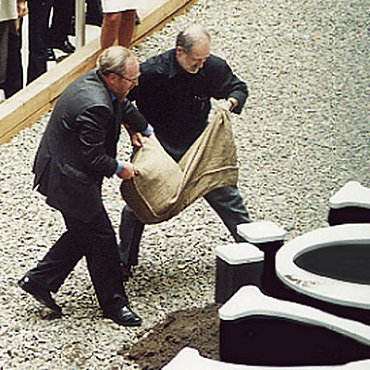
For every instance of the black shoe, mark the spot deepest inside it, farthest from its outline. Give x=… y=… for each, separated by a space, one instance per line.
x=41 y=295
x=124 y=316
x=65 y=46
x=51 y=55
x=126 y=271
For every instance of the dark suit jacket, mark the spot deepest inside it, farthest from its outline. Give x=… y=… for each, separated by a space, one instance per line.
x=79 y=145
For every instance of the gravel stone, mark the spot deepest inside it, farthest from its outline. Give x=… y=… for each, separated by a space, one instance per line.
x=303 y=134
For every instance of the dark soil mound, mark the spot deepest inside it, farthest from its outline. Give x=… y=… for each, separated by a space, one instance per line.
x=196 y=327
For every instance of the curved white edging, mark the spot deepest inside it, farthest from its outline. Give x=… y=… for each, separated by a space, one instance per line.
x=321 y=287
x=352 y=194
x=249 y=301
x=190 y=359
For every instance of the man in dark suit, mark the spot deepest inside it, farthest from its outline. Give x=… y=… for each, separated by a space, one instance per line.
x=77 y=151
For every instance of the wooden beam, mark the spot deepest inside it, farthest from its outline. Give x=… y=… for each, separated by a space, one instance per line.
x=25 y=107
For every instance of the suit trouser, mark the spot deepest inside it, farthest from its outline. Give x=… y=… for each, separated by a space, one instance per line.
x=61 y=21
x=14 y=72
x=96 y=241
x=94 y=12
x=226 y=201
x=38 y=26
x=5 y=27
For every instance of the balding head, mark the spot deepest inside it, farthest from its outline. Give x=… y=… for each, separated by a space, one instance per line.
x=113 y=60
x=191 y=35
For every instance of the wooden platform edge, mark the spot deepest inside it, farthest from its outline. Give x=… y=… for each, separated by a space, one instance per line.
x=25 y=107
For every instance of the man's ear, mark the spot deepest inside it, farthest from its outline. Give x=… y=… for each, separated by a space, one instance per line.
x=179 y=50
x=111 y=77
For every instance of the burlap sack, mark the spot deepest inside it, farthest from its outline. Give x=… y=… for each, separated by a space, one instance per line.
x=164 y=188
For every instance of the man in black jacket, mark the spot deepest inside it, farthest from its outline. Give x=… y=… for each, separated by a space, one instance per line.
x=174 y=95
x=77 y=151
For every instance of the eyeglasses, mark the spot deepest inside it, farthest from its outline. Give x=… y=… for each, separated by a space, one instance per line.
x=132 y=80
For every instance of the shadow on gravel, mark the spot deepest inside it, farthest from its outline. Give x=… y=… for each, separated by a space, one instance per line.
x=195 y=327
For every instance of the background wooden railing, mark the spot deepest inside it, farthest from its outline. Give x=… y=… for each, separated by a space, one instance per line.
x=25 y=107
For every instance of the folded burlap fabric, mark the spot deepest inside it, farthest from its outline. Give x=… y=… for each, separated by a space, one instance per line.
x=163 y=187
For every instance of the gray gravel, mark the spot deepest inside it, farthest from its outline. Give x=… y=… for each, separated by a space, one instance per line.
x=303 y=135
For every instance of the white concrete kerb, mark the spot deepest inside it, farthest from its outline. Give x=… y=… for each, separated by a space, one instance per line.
x=239 y=253
x=261 y=232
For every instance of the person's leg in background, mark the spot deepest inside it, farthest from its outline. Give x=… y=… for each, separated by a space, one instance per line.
x=38 y=25
x=117 y=26
x=60 y=25
x=130 y=232
x=14 y=71
x=109 y=30
x=4 y=41
x=126 y=29
x=94 y=14
x=229 y=205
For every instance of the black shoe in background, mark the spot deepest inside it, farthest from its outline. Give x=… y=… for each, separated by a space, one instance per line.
x=65 y=46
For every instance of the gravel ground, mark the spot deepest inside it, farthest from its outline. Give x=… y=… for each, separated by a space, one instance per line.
x=303 y=134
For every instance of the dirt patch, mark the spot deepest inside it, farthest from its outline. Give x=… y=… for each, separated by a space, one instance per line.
x=196 y=327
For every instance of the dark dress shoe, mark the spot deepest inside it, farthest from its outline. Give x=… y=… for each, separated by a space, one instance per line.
x=126 y=271
x=65 y=46
x=51 y=55
x=124 y=316
x=41 y=295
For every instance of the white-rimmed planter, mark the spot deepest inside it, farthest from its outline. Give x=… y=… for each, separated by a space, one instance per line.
x=351 y=204
x=259 y=330
x=345 y=298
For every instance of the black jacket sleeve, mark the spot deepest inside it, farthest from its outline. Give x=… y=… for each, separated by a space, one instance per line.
x=225 y=84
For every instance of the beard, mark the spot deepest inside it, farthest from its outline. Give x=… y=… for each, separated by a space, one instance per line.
x=193 y=70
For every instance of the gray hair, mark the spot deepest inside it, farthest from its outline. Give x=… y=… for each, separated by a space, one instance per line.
x=187 y=38
x=113 y=60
